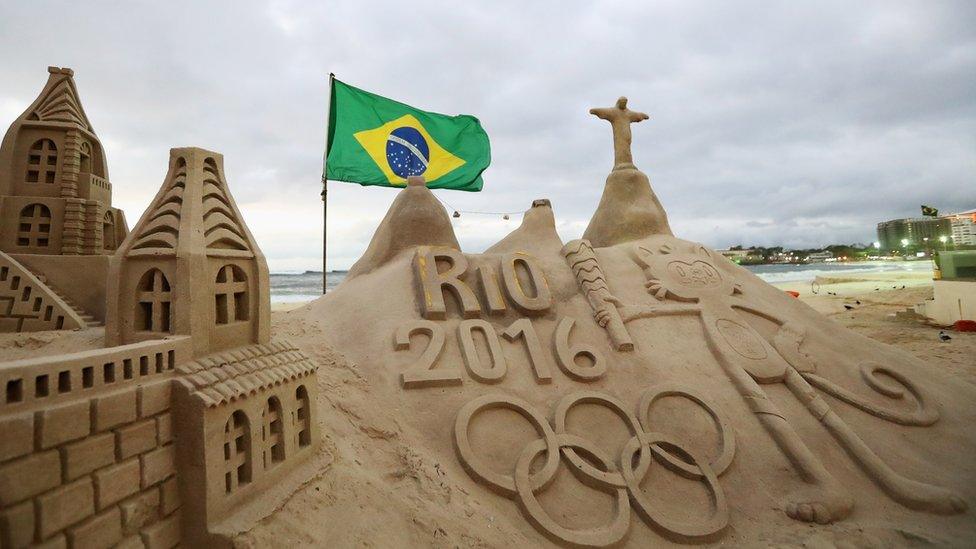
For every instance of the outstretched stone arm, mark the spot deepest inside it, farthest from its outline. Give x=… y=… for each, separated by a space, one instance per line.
x=620 y=118
x=634 y=312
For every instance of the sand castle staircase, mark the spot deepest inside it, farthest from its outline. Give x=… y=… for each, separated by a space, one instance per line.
x=88 y=318
x=27 y=304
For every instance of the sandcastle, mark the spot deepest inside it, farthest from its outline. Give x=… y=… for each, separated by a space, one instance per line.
x=192 y=422
x=632 y=358
x=627 y=387
x=57 y=223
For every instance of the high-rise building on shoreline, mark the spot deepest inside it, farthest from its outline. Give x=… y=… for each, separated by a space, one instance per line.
x=963 y=228
x=897 y=234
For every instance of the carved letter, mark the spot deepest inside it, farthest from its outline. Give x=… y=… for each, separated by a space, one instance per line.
x=432 y=283
x=490 y=290
x=421 y=373
x=469 y=352
x=540 y=366
x=566 y=355
x=542 y=299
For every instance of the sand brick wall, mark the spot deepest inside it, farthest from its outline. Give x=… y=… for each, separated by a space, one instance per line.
x=94 y=465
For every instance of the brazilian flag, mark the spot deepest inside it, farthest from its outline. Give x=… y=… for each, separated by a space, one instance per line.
x=377 y=141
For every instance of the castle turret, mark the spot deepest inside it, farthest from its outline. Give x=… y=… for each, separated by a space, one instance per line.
x=55 y=195
x=190 y=265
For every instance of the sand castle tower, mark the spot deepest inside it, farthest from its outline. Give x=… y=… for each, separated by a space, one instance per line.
x=55 y=196
x=244 y=407
x=190 y=265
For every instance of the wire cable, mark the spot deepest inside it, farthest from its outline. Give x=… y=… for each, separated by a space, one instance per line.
x=452 y=208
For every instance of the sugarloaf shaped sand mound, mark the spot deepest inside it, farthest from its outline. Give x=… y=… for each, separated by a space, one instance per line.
x=628 y=388
x=415 y=218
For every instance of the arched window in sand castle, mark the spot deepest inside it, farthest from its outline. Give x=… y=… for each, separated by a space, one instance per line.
x=230 y=295
x=153 y=302
x=42 y=162
x=272 y=430
x=85 y=156
x=303 y=421
x=237 y=451
x=108 y=231
x=35 y=226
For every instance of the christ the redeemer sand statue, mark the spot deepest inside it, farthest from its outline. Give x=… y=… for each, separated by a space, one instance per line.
x=620 y=118
x=628 y=209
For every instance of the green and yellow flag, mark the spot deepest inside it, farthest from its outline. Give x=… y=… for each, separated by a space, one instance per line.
x=377 y=141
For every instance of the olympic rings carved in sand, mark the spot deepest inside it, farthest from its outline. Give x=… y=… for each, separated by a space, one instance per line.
x=619 y=478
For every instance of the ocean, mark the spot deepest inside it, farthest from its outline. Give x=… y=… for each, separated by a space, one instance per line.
x=288 y=287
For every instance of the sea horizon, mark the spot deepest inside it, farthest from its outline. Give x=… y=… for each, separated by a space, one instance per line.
x=295 y=285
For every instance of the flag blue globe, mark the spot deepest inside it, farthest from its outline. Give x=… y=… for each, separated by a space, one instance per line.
x=407 y=152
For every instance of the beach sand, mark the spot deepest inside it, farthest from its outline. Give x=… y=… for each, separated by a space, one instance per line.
x=881 y=295
x=379 y=490
x=386 y=489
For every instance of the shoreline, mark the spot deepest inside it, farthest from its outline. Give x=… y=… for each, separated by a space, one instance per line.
x=841 y=282
x=852 y=285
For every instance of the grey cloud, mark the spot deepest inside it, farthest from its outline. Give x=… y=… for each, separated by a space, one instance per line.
x=796 y=124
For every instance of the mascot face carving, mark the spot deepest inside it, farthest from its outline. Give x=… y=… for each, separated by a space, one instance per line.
x=682 y=275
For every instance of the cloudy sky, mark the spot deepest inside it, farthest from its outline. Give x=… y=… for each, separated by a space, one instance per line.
x=788 y=123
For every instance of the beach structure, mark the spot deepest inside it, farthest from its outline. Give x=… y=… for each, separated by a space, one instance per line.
x=954 y=292
x=56 y=215
x=247 y=426
x=190 y=265
x=963 y=225
x=55 y=195
x=192 y=423
x=507 y=386
x=594 y=335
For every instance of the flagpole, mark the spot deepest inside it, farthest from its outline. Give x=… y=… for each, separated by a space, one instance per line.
x=325 y=190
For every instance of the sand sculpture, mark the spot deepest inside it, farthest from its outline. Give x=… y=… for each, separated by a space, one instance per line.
x=191 y=266
x=630 y=358
x=56 y=213
x=192 y=423
x=628 y=387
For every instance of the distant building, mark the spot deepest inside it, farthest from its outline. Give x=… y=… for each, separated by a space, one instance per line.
x=963 y=226
x=912 y=230
x=817 y=257
x=734 y=254
x=748 y=256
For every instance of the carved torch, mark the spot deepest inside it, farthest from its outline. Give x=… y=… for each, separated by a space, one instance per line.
x=582 y=260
